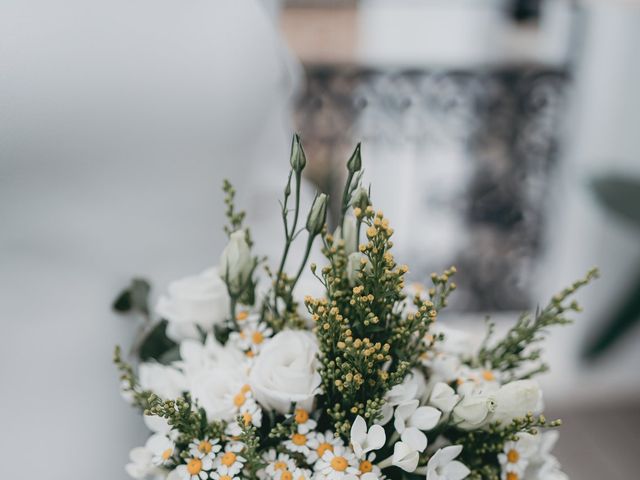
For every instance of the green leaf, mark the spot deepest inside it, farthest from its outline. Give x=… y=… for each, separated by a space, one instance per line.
x=134 y=298
x=157 y=346
x=620 y=195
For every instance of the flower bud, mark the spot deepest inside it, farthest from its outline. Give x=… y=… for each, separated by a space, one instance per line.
x=236 y=262
x=360 y=199
x=355 y=263
x=355 y=162
x=317 y=214
x=298 y=158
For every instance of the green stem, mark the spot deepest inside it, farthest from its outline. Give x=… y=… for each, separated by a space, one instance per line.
x=345 y=200
x=301 y=269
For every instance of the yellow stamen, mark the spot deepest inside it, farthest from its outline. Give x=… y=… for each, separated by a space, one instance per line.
x=167 y=453
x=242 y=315
x=323 y=447
x=301 y=416
x=194 y=466
x=228 y=459
x=286 y=475
x=513 y=456
x=257 y=338
x=279 y=465
x=299 y=439
x=239 y=400
x=488 y=375
x=366 y=466
x=246 y=418
x=339 y=464
x=205 y=447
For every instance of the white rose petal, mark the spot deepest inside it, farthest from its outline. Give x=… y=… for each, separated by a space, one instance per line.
x=285 y=371
x=192 y=302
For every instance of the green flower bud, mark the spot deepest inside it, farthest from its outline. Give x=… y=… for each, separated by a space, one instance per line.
x=298 y=158
x=236 y=262
x=317 y=214
x=355 y=162
x=360 y=199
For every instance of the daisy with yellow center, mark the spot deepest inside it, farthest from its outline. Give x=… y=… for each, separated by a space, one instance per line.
x=195 y=468
x=297 y=443
x=230 y=462
x=162 y=449
x=367 y=468
x=204 y=448
x=303 y=420
x=278 y=463
x=338 y=464
x=515 y=456
x=217 y=476
x=252 y=335
x=250 y=413
x=302 y=474
x=319 y=443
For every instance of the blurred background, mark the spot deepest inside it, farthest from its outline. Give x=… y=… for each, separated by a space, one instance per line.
x=498 y=135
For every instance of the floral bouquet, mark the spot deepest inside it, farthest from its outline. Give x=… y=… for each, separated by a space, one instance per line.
x=238 y=381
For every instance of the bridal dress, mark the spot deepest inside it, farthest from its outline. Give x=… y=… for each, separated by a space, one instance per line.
x=118 y=122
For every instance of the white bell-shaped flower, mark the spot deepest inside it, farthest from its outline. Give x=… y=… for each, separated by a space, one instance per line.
x=443 y=397
x=410 y=414
x=364 y=441
x=443 y=466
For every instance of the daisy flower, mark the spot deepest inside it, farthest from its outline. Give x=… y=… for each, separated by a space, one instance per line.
x=161 y=448
x=251 y=414
x=252 y=335
x=204 y=448
x=298 y=443
x=304 y=422
x=217 y=476
x=516 y=455
x=319 y=443
x=302 y=474
x=230 y=463
x=195 y=469
x=339 y=464
x=367 y=469
x=278 y=463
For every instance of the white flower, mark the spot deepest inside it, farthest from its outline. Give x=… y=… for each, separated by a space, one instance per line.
x=195 y=469
x=196 y=356
x=364 y=441
x=303 y=420
x=413 y=386
x=409 y=418
x=515 y=455
x=543 y=465
x=516 y=399
x=319 y=443
x=215 y=389
x=204 y=448
x=298 y=442
x=302 y=474
x=141 y=464
x=230 y=462
x=285 y=371
x=443 y=397
x=166 y=382
x=161 y=448
x=348 y=234
x=337 y=464
x=192 y=302
x=251 y=415
x=473 y=410
x=158 y=424
x=277 y=463
x=236 y=262
x=442 y=465
x=251 y=336
x=368 y=470
x=406 y=455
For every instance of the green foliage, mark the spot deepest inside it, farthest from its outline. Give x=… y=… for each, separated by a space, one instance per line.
x=518 y=349
x=134 y=298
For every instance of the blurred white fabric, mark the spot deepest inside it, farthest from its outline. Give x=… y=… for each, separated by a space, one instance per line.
x=119 y=120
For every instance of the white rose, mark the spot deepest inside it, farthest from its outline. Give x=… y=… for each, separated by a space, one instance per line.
x=192 y=302
x=214 y=389
x=285 y=371
x=516 y=399
x=472 y=411
x=166 y=382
